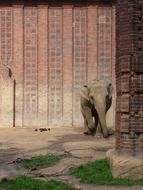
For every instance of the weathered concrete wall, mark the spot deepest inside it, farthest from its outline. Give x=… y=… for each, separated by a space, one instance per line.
x=6 y=98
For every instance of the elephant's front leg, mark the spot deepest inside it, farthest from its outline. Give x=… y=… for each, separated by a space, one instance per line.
x=85 y=124
x=99 y=130
x=89 y=121
x=108 y=105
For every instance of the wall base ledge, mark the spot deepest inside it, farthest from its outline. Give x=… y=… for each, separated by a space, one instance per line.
x=124 y=166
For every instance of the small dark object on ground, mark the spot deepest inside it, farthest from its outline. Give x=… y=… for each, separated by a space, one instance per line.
x=4 y=179
x=33 y=169
x=18 y=161
x=42 y=129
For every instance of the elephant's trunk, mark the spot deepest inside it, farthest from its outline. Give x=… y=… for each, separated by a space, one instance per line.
x=101 y=111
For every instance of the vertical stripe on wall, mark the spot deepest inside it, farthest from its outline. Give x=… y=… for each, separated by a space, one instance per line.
x=92 y=42
x=18 y=62
x=113 y=55
x=6 y=35
x=67 y=65
x=42 y=65
x=30 y=67
x=79 y=58
x=55 y=66
x=113 y=45
x=104 y=43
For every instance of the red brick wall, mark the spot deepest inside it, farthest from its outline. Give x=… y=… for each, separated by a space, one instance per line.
x=52 y=51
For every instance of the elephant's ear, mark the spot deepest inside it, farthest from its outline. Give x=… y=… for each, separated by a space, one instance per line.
x=110 y=90
x=85 y=92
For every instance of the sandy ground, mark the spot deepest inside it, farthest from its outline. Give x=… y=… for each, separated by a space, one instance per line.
x=26 y=142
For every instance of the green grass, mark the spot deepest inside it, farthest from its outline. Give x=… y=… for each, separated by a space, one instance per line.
x=41 y=161
x=98 y=173
x=25 y=183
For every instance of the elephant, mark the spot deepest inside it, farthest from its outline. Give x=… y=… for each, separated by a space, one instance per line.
x=95 y=101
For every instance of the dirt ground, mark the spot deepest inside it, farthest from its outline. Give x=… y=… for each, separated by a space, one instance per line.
x=21 y=143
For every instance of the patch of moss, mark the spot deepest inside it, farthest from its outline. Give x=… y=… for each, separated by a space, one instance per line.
x=41 y=161
x=25 y=183
x=98 y=173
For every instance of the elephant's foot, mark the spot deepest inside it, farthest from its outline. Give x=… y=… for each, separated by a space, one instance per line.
x=110 y=131
x=99 y=130
x=88 y=132
x=106 y=135
x=99 y=134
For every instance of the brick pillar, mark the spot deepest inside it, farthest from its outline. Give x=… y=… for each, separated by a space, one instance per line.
x=129 y=76
x=129 y=80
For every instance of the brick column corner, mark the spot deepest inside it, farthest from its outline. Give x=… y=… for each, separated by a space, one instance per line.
x=129 y=80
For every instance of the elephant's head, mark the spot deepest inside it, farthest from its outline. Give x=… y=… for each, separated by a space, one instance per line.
x=97 y=91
